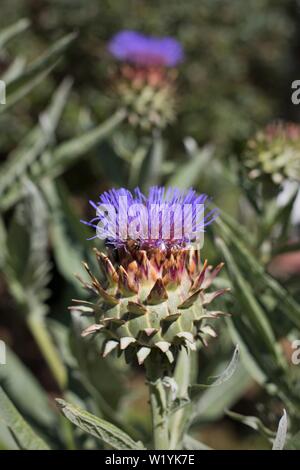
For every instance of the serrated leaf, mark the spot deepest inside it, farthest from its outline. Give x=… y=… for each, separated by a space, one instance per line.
x=22 y=432
x=107 y=432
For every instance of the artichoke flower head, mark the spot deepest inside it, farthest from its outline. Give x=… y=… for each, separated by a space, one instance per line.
x=144 y=81
x=156 y=295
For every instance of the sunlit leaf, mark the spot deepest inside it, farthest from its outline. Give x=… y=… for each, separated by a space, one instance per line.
x=107 y=432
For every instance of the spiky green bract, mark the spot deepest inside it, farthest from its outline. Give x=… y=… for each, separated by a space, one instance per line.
x=148 y=94
x=152 y=302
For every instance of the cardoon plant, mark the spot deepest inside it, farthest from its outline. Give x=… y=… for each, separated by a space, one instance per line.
x=154 y=298
x=145 y=80
x=272 y=171
x=274 y=153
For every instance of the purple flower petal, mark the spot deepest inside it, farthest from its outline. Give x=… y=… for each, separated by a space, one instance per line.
x=169 y=218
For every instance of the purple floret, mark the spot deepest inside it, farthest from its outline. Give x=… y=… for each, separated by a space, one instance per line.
x=136 y=48
x=121 y=200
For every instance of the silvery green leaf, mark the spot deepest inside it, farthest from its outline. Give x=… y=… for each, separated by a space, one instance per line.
x=188 y=174
x=213 y=401
x=7 y=441
x=19 y=383
x=253 y=422
x=40 y=64
x=196 y=390
x=250 y=305
x=280 y=437
x=13 y=30
x=14 y=69
x=256 y=273
x=22 y=432
x=28 y=79
x=97 y=427
x=68 y=152
x=230 y=369
x=27 y=272
x=24 y=160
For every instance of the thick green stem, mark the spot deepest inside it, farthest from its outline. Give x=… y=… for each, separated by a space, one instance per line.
x=185 y=372
x=158 y=403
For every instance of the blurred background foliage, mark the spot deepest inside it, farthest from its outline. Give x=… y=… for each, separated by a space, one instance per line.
x=63 y=141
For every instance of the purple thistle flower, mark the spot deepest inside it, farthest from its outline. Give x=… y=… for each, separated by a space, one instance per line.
x=136 y=48
x=167 y=218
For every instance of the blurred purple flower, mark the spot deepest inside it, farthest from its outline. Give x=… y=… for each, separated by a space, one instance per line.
x=136 y=48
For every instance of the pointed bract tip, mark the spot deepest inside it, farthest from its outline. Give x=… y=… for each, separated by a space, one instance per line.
x=142 y=354
x=109 y=347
